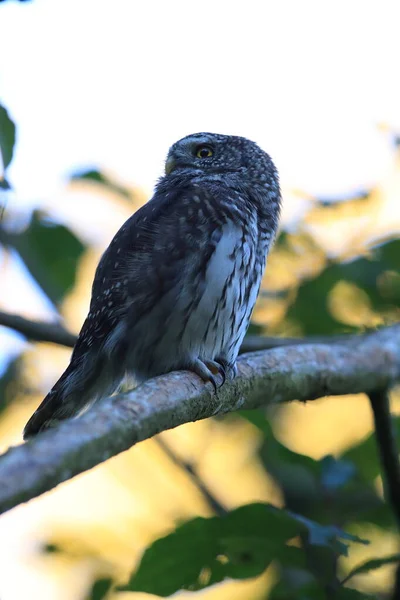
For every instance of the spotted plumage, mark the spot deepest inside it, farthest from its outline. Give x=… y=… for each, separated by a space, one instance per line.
x=176 y=287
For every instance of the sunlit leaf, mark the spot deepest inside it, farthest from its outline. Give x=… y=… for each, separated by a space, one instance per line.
x=375 y=275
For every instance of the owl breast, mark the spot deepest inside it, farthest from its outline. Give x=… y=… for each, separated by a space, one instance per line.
x=206 y=316
x=218 y=322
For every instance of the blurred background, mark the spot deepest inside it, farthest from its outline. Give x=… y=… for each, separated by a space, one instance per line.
x=98 y=91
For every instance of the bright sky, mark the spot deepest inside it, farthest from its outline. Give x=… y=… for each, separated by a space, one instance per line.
x=114 y=83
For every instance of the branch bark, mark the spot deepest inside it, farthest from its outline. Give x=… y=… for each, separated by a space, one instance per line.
x=364 y=364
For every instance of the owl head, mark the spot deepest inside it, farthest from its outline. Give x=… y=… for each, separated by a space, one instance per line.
x=219 y=155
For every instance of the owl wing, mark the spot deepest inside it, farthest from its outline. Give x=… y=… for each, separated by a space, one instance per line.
x=145 y=257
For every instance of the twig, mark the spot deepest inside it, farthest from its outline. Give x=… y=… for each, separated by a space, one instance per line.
x=396 y=590
x=214 y=503
x=38 y=331
x=389 y=454
x=253 y=343
x=280 y=375
x=388 y=449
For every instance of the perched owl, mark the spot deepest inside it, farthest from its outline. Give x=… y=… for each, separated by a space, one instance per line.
x=176 y=287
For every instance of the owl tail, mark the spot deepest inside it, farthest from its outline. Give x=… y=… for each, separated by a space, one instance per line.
x=68 y=397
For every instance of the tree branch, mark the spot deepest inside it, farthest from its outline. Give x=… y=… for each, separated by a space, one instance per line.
x=279 y=375
x=191 y=472
x=42 y=331
x=38 y=331
x=389 y=455
x=388 y=449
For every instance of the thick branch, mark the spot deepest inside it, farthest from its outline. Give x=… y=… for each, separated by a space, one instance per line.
x=302 y=372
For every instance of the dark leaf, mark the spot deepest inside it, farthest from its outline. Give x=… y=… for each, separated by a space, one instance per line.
x=51 y=253
x=327 y=490
x=296 y=589
x=4 y=185
x=345 y=593
x=365 y=454
x=51 y=549
x=7 y=137
x=100 y=589
x=371 y=565
x=239 y=545
x=7 y=382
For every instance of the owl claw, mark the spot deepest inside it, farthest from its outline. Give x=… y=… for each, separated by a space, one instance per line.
x=206 y=371
x=216 y=368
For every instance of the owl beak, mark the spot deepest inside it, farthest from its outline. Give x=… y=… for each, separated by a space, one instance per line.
x=170 y=165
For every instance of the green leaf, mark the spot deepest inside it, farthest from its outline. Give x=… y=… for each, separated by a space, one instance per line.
x=51 y=549
x=365 y=454
x=371 y=565
x=345 y=593
x=5 y=186
x=296 y=589
x=98 y=177
x=329 y=490
x=10 y=375
x=7 y=137
x=100 y=588
x=239 y=545
x=51 y=253
x=377 y=275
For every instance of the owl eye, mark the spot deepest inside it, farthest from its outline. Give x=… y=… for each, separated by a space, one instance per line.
x=204 y=152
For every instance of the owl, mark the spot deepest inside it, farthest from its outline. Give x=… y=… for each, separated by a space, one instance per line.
x=176 y=287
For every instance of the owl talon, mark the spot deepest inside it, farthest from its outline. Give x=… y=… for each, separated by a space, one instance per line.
x=216 y=368
x=206 y=371
x=230 y=369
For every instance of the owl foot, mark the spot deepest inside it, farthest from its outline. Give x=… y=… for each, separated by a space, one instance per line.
x=229 y=368
x=206 y=371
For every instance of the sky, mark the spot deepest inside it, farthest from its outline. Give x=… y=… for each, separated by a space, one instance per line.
x=114 y=84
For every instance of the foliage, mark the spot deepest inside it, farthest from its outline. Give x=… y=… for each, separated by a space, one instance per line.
x=239 y=545
x=324 y=500
x=7 y=137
